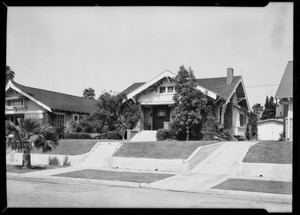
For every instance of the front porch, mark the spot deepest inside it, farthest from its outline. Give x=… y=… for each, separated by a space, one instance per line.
x=154 y=117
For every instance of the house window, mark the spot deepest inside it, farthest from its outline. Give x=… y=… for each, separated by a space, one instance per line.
x=285 y=110
x=162 y=89
x=76 y=117
x=8 y=102
x=170 y=89
x=220 y=114
x=15 y=102
x=59 y=120
x=241 y=120
x=161 y=113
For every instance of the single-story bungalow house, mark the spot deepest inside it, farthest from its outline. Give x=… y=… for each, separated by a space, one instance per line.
x=156 y=96
x=285 y=95
x=50 y=107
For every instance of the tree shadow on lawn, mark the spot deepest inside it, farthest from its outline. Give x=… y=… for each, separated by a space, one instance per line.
x=19 y=168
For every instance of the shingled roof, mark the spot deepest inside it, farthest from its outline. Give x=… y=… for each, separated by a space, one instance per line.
x=60 y=101
x=216 y=85
x=285 y=89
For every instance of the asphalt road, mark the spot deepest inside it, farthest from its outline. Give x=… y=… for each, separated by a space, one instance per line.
x=26 y=193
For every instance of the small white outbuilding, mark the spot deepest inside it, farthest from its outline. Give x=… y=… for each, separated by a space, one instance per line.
x=269 y=129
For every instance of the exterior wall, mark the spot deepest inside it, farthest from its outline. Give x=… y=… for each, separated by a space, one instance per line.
x=287 y=117
x=237 y=129
x=289 y=135
x=155 y=97
x=269 y=129
x=29 y=110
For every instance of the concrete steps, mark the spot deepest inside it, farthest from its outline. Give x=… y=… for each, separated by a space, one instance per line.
x=144 y=136
x=101 y=154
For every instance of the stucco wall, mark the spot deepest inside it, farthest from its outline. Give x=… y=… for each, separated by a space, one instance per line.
x=269 y=129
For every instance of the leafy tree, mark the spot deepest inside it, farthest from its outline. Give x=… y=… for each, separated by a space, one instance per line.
x=266 y=102
x=257 y=109
x=189 y=103
x=92 y=124
x=89 y=93
x=270 y=109
x=28 y=134
x=117 y=113
x=9 y=74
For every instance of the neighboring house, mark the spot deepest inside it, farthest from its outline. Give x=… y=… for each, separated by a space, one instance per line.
x=285 y=95
x=51 y=107
x=156 y=96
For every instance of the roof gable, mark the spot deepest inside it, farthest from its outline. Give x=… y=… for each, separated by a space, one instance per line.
x=285 y=89
x=220 y=86
x=56 y=101
x=145 y=85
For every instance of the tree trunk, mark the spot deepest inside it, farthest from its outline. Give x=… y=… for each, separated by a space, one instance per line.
x=26 y=163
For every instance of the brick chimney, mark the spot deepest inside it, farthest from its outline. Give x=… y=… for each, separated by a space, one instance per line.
x=229 y=76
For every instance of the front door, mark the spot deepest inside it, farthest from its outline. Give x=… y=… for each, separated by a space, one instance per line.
x=161 y=114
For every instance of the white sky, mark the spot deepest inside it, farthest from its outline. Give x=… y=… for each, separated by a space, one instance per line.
x=68 y=49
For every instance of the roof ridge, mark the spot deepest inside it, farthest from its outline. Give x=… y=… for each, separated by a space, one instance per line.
x=49 y=91
x=235 y=76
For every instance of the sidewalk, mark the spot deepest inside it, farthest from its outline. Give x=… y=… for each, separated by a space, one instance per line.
x=184 y=182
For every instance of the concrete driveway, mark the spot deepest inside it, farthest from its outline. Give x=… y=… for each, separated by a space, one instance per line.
x=216 y=168
x=225 y=159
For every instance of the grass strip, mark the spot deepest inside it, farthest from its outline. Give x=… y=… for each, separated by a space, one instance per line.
x=277 y=187
x=116 y=175
x=19 y=168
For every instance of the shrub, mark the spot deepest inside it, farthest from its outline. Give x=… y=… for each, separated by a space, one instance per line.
x=165 y=134
x=113 y=135
x=66 y=161
x=212 y=130
x=60 y=132
x=53 y=161
x=73 y=126
x=77 y=136
x=282 y=137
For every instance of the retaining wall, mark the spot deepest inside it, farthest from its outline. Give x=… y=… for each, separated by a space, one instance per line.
x=276 y=172
x=165 y=165
x=43 y=159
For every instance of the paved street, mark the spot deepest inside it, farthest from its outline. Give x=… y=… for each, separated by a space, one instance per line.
x=25 y=193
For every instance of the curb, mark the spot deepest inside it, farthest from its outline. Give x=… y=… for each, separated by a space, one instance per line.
x=75 y=180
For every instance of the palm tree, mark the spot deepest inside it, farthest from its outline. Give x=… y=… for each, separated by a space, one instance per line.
x=9 y=74
x=29 y=134
x=89 y=93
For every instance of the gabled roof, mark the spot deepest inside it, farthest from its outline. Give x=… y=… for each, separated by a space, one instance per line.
x=285 y=89
x=216 y=85
x=56 y=101
x=219 y=86
x=138 y=89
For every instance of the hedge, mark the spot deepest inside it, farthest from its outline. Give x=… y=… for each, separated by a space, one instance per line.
x=165 y=134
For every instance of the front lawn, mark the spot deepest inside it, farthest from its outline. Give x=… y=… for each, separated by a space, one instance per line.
x=71 y=147
x=116 y=175
x=278 y=152
x=19 y=168
x=278 y=187
x=160 y=149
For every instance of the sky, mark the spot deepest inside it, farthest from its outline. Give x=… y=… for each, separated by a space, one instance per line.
x=68 y=49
